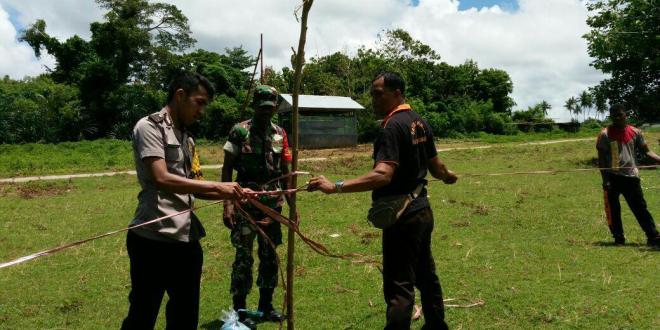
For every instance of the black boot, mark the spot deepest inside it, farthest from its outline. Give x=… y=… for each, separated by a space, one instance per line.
x=239 y=302
x=619 y=240
x=252 y=325
x=266 y=306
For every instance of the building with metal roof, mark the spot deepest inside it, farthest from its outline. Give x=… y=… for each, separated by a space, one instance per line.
x=324 y=121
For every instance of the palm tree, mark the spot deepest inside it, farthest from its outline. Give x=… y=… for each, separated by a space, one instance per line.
x=586 y=103
x=545 y=106
x=572 y=106
x=600 y=102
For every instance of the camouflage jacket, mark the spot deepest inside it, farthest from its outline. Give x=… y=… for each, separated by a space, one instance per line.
x=259 y=157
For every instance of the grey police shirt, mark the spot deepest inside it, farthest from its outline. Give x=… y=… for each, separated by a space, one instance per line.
x=155 y=136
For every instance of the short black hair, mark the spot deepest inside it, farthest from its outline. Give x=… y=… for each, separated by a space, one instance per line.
x=393 y=81
x=189 y=82
x=617 y=107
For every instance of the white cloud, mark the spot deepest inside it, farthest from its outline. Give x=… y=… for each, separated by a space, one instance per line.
x=540 y=44
x=64 y=18
x=18 y=60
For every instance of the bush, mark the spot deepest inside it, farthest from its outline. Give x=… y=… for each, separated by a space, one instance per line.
x=439 y=123
x=592 y=123
x=499 y=123
x=39 y=110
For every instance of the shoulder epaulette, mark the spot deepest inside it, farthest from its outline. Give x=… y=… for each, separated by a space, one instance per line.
x=156 y=117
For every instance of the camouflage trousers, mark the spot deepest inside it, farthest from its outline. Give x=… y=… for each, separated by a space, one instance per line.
x=242 y=238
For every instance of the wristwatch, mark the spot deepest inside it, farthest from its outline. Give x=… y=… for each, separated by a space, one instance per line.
x=339 y=185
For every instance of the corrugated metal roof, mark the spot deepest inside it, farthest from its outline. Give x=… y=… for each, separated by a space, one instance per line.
x=320 y=102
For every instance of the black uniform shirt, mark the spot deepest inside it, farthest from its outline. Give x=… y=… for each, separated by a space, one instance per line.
x=407 y=141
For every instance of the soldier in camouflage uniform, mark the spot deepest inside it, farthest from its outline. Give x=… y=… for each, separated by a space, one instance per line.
x=258 y=150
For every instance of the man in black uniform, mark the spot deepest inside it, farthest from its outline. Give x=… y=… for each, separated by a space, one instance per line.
x=403 y=153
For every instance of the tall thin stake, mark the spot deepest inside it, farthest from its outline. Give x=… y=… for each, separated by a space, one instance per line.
x=249 y=91
x=261 y=76
x=297 y=77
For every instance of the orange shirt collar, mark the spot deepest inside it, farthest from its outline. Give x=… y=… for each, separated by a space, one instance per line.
x=401 y=107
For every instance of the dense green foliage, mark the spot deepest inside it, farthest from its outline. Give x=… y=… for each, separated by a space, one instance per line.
x=38 y=109
x=100 y=87
x=625 y=42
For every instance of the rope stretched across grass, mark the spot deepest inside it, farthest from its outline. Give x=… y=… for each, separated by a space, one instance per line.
x=314 y=245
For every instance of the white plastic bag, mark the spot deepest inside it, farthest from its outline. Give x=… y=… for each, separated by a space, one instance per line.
x=230 y=321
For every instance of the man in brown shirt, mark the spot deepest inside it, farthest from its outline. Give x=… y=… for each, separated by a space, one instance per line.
x=166 y=256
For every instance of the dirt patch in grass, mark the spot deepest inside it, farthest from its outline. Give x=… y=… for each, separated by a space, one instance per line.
x=35 y=189
x=477 y=209
x=460 y=224
x=365 y=236
x=590 y=162
x=69 y=306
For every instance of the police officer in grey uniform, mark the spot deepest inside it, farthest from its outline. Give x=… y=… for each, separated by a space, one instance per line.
x=166 y=256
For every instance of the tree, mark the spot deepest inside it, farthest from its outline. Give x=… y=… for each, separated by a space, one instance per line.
x=572 y=106
x=545 y=107
x=624 y=43
x=586 y=102
x=134 y=36
x=600 y=102
x=398 y=44
x=495 y=85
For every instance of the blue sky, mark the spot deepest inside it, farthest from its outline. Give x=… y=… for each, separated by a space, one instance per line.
x=13 y=17
x=508 y=5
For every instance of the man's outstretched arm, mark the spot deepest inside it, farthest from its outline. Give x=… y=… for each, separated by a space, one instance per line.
x=380 y=176
x=167 y=181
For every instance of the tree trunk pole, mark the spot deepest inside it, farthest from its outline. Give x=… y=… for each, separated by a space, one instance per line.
x=297 y=77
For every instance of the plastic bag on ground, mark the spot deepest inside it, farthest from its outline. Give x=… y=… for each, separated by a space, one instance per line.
x=230 y=321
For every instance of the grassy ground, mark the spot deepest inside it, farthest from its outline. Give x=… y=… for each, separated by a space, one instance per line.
x=116 y=155
x=535 y=248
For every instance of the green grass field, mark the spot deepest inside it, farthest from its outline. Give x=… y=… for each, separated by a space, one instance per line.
x=534 y=248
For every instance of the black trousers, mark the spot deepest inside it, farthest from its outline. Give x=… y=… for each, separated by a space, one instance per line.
x=631 y=190
x=408 y=263
x=159 y=267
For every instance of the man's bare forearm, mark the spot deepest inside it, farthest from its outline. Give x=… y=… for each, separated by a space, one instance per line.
x=376 y=178
x=180 y=185
x=605 y=176
x=653 y=156
x=212 y=196
x=438 y=169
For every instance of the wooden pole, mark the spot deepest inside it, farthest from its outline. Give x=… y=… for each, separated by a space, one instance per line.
x=293 y=214
x=249 y=91
x=261 y=77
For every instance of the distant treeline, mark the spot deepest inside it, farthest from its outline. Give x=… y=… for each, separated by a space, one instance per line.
x=100 y=87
